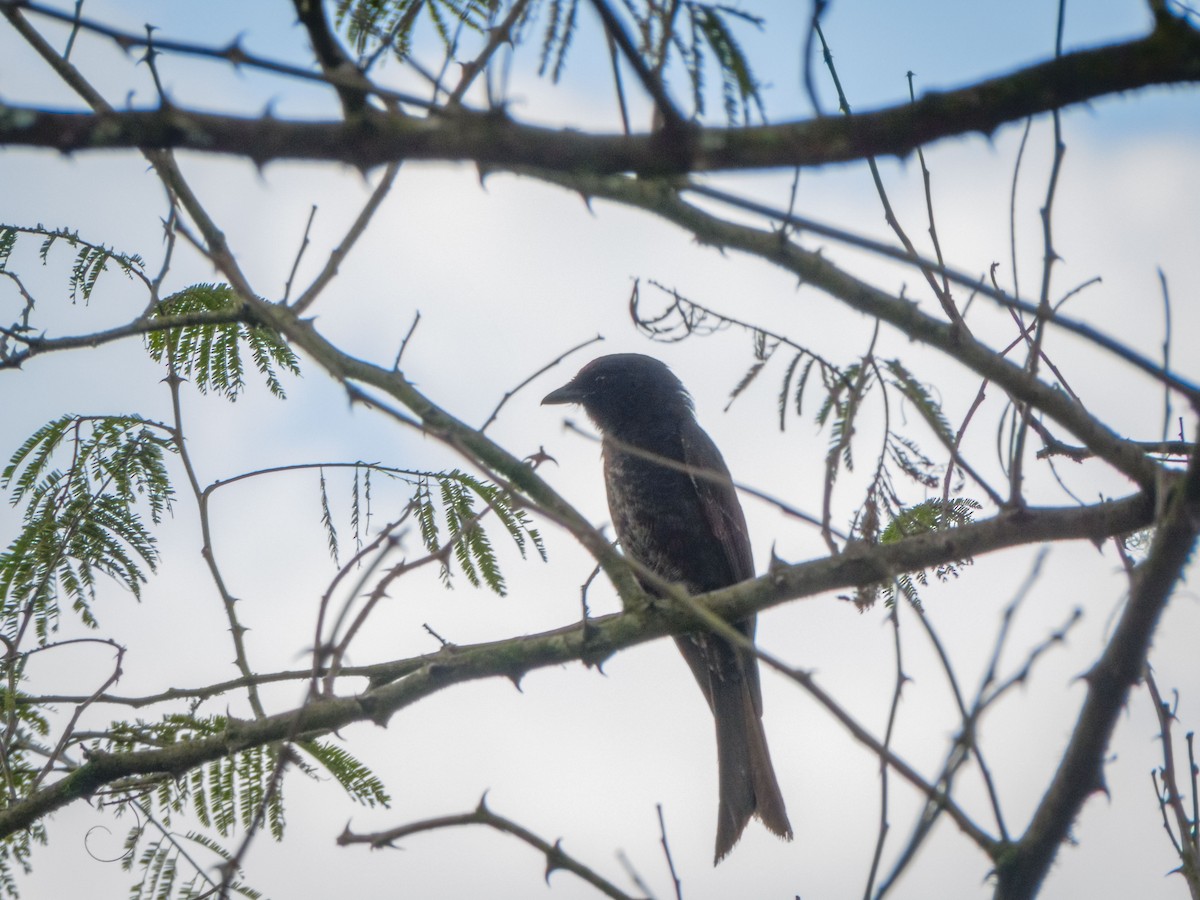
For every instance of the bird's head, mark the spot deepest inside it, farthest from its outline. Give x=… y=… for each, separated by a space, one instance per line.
x=626 y=391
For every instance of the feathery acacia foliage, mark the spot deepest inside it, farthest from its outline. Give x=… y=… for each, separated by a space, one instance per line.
x=931 y=515
x=163 y=861
x=846 y=391
x=701 y=34
x=81 y=520
x=376 y=26
x=471 y=546
x=28 y=730
x=90 y=261
x=710 y=32
x=450 y=524
x=211 y=353
x=91 y=489
x=227 y=796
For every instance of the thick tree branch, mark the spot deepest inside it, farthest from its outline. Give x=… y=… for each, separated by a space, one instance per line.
x=352 y=86
x=1080 y=773
x=398 y=684
x=1169 y=55
x=35 y=345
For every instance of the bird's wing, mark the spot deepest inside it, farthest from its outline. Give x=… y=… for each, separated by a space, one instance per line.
x=725 y=519
x=718 y=500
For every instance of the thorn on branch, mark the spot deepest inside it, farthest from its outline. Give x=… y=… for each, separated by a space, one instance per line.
x=554 y=858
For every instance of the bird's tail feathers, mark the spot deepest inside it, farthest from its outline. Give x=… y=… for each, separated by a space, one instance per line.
x=748 y=786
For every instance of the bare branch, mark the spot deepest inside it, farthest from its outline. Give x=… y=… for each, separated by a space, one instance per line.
x=1169 y=55
x=556 y=857
x=1080 y=773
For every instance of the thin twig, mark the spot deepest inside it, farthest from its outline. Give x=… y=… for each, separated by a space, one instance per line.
x=342 y=250
x=509 y=394
x=884 y=825
x=1184 y=836
x=498 y=36
x=1050 y=256
x=662 y=831
x=69 y=728
x=673 y=121
x=929 y=271
x=304 y=241
x=207 y=550
x=407 y=337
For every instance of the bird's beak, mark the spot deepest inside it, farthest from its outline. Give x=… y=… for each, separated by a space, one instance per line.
x=568 y=393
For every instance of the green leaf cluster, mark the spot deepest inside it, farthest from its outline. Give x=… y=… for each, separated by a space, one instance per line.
x=210 y=353
x=163 y=862
x=375 y=26
x=701 y=34
x=358 y=781
x=360 y=505
x=709 y=32
x=81 y=520
x=91 y=260
x=845 y=392
x=930 y=516
x=226 y=795
x=24 y=746
x=465 y=538
x=557 y=36
x=223 y=794
x=15 y=851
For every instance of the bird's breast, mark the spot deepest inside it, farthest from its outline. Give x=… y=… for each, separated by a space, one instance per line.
x=657 y=515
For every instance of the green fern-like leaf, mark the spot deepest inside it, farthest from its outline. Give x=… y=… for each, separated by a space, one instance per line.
x=841 y=407
x=905 y=453
x=427 y=520
x=459 y=510
x=15 y=853
x=360 y=506
x=515 y=521
x=931 y=515
x=225 y=793
x=8 y=240
x=557 y=37
x=327 y=521
x=83 y=521
x=91 y=260
x=24 y=756
x=358 y=781
x=464 y=523
x=210 y=354
x=161 y=863
x=919 y=396
x=746 y=380
x=387 y=25
x=739 y=87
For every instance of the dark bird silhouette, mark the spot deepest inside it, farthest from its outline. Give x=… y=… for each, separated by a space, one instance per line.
x=686 y=528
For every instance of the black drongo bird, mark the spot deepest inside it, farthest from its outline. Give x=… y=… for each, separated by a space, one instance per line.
x=683 y=521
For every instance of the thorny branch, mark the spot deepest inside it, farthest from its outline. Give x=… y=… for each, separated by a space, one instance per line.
x=556 y=857
x=1169 y=55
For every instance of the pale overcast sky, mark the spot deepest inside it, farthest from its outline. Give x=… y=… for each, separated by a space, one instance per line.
x=508 y=274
